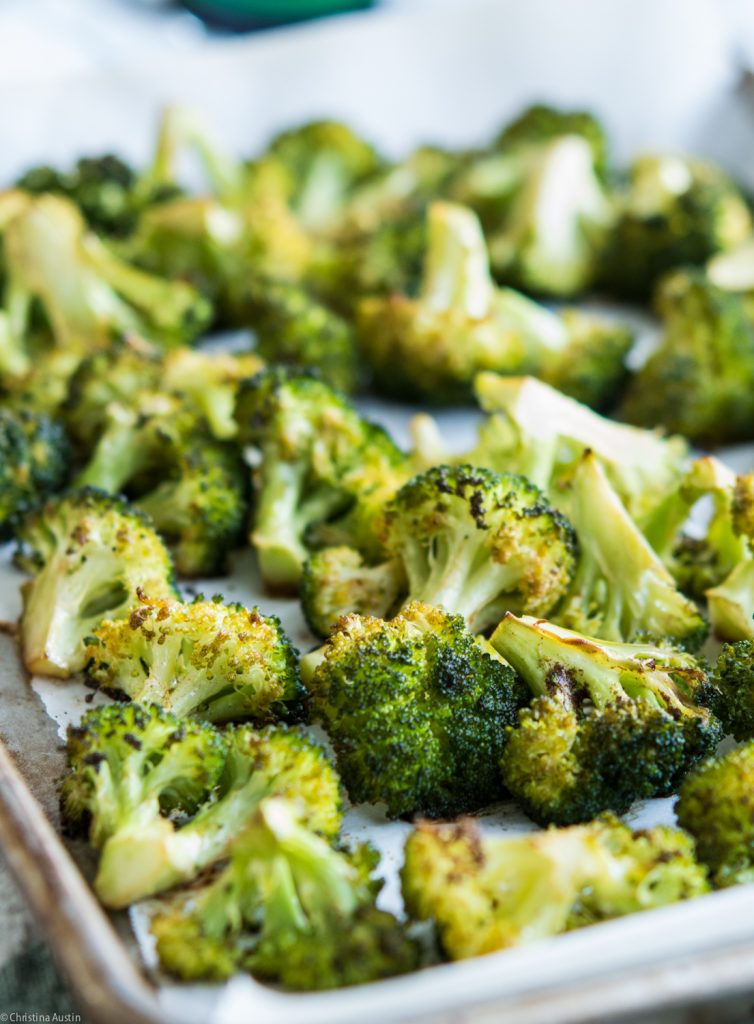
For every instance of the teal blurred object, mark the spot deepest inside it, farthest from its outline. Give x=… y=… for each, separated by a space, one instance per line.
x=249 y=14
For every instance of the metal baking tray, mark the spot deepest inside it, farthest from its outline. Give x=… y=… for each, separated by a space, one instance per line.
x=451 y=73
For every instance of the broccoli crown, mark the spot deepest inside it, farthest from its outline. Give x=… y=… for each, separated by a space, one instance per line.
x=88 y=294
x=128 y=764
x=611 y=722
x=621 y=589
x=290 y=909
x=700 y=380
x=318 y=457
x=478 y=544
x=735 y=677
x=416 y=711
x=325 y=160
x=534 y=430
x=142 y=858
x=715 y=805
x=34 y=460
x=296 y=330
x=206 y=659
x=92 y=554
x=490 y=893
x=672 y=212
x=336 y=581
x=542 y=123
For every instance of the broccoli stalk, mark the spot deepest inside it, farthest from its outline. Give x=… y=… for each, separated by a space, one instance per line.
x=290 y=909
x=611 y=723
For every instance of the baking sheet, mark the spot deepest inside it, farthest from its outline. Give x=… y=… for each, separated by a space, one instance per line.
x=450 y=73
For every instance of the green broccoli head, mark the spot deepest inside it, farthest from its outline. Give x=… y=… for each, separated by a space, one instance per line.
x=542 y=123
x=336 y=580
x=611 y=722
x=672 y=212
x=416 y=711
x=294 y=329
x=290 y=909
x=317 y=458
x=621 y=589
x=700 y=380
x=141 y=859
x=129 y=765
x=534 y=430
x=715 y=806
x=489 y=893
x=205 y=659
x=478 y=544
x=735 y=677
x=34 y=460
x=91 y=555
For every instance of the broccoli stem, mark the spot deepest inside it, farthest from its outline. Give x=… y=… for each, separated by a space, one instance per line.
x=117 y=458
x=456 y=269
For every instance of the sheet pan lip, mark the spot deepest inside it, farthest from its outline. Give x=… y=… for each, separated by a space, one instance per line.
x=111 y=990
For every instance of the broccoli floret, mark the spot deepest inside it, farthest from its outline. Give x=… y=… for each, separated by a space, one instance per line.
x=489 y=893
x=672 y=212
x=416 y=711
x=43 y=387
x=534 y=430
x=290 y=909
x=206 y=659
x=590 y=364
x=731 y=603
x=210 y=382
x=735 y=677
x=152 y=848
x=325 y=161
x=294 y=329
x=319 y=460
x=91 y=555
x=611 y=723
x=336 y=580
x=700 y=380
x=716 y=806
x=621 y=589
x=129 y=765
x=542 y=123
x=88 y=294
x=34 y=460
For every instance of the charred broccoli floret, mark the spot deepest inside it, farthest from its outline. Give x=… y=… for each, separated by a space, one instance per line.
x=319 y=461
x=621 y=589
x=91 y=555
x=336 y=580
x=34 y=462
x=534 y=430
x=294 y=329
x=88 y=294
x=700 y=380
x=148 y=846
x=489 y=893
x=288 y=908
x=716 y=806
x=206 y=659
x=672 y=212
x=610 y=723
x=416 y=711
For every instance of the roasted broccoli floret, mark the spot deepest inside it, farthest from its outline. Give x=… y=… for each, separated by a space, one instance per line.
x=288 y=908
x=542 y=123
x=610 y=723
x=485 y=893
x=416 y=711
x=700 y=380
x=294 y=329
x=207 y=659
x=621 y=589
x=534 y=430
x=716 y=805
x=34 y=462
x=337 y=580
x=91 y=555
x=735 y=677
x=672 y=212
x=325 y=162
x=42 y=388
x=319 y=461
x=88 y=294
x=117 y=775
x=192 y=486
x=209 y=381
